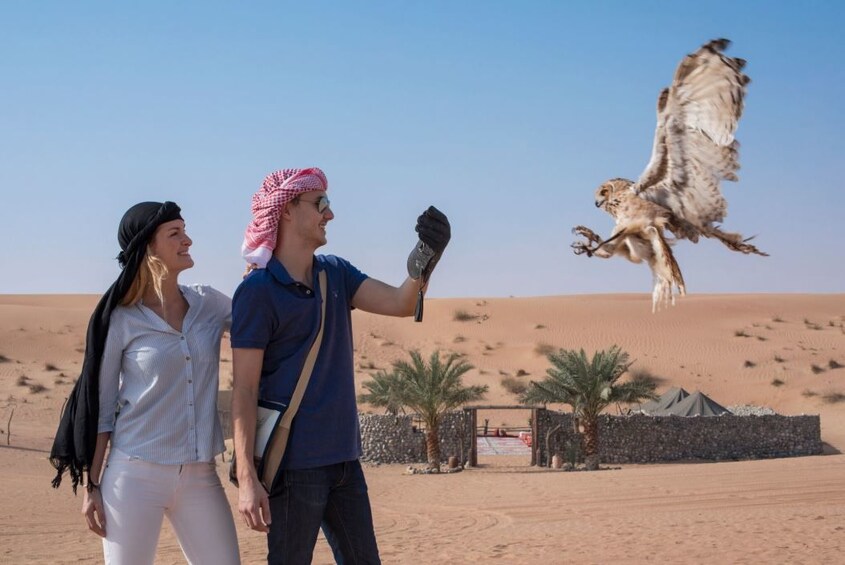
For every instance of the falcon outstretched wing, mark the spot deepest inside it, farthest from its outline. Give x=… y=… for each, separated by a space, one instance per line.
x=694 y=146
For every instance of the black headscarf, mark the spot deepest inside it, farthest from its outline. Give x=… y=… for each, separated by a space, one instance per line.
x=76 y=438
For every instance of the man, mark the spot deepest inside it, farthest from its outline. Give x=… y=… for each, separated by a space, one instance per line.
x=276 y=316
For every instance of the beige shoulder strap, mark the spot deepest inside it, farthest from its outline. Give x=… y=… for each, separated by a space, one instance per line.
x=280 y=438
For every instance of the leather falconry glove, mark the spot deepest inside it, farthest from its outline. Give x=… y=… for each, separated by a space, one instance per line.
x=434 y=233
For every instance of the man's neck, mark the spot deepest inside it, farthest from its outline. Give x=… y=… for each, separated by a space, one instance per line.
x=298 y=262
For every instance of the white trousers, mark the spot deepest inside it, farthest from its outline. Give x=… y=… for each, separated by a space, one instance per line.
x=136 y=497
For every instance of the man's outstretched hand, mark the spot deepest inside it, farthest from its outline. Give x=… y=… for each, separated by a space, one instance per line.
x=434 y=233
x=434 y=229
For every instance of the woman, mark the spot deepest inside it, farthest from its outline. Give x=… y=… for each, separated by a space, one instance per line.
x=148 y=389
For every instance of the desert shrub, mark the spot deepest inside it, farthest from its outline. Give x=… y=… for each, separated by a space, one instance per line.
x=809 y=393
x=779 y=359
x=521 y=373
x=778 y=319
x=777 y=382
x=811 y=325
x=35 y=388
x=50 y=367
x=749 y=364
x=544 y=349
x=834 y=364
x=459 y=339
x=463 y=316
x=539 y=327
x=816 y=369
x=514 y=385
x=761 y=338
x=4 y=359
x=741 y=333
x=23 y=380
x=646 y=376
x=833 y=397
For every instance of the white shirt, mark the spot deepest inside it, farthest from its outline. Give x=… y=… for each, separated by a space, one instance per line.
x=158 y=386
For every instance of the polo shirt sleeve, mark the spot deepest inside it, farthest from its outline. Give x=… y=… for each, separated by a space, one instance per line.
x=253 y=320
x=352 y=277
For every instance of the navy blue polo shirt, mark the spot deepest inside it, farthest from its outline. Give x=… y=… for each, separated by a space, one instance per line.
x=273 y=312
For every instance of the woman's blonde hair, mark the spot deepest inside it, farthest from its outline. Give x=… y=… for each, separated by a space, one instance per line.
x=152 y=271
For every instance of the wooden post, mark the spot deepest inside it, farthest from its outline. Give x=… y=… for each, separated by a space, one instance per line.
x=473 y=446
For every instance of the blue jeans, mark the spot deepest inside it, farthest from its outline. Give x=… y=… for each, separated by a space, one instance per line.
x=333 y=497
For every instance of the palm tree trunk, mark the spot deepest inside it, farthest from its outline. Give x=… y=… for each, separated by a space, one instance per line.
x=432 y=445
x=591 y=442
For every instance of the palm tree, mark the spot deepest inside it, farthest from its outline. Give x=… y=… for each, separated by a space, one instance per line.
x=429 y=389
x=382 y=392
x=588 y=386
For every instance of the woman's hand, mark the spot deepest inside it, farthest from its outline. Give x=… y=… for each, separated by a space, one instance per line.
x=92 y=509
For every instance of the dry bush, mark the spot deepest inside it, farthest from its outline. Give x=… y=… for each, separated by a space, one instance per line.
x=761 y=338
x=808 y=393
x=833 y=397
x=23 y=380
x=4 y=359
x=35 y=388
x=522 y=373
x=811 y=325
x=777 y=382
x=544 y=349
x=459 y=339
x=741 y=333
x=749 y=364
x=514 y=385
x=463 y=316
x=50 y=367
x=834 y=364
x=646 y=376
x=539 y=327
x=779 y=359
x=816 y=369
x=58 y=381
x=778 y=319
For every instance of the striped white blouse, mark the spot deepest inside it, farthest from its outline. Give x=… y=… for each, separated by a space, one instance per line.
x=158 y=387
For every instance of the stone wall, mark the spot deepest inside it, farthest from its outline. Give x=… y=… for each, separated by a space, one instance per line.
x=385 y=438
x=647 y=439
x=395 y=439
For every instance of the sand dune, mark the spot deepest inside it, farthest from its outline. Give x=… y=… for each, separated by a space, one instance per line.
x=781 y=351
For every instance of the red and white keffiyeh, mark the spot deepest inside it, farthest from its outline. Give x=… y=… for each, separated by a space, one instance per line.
x=278 y=189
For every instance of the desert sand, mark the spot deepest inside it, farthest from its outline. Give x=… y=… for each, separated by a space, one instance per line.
x=780 y=351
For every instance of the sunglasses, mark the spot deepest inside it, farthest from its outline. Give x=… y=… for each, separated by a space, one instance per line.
x=322 y=203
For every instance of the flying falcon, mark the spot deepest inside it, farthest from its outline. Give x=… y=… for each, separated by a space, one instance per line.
x=694 y=150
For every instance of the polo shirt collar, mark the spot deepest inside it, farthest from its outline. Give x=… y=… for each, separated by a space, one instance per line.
x=275 y=268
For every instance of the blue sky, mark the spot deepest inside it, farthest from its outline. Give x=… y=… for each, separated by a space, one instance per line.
x=505 y=115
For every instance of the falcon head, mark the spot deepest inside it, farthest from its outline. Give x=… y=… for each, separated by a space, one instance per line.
x=606 y=192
